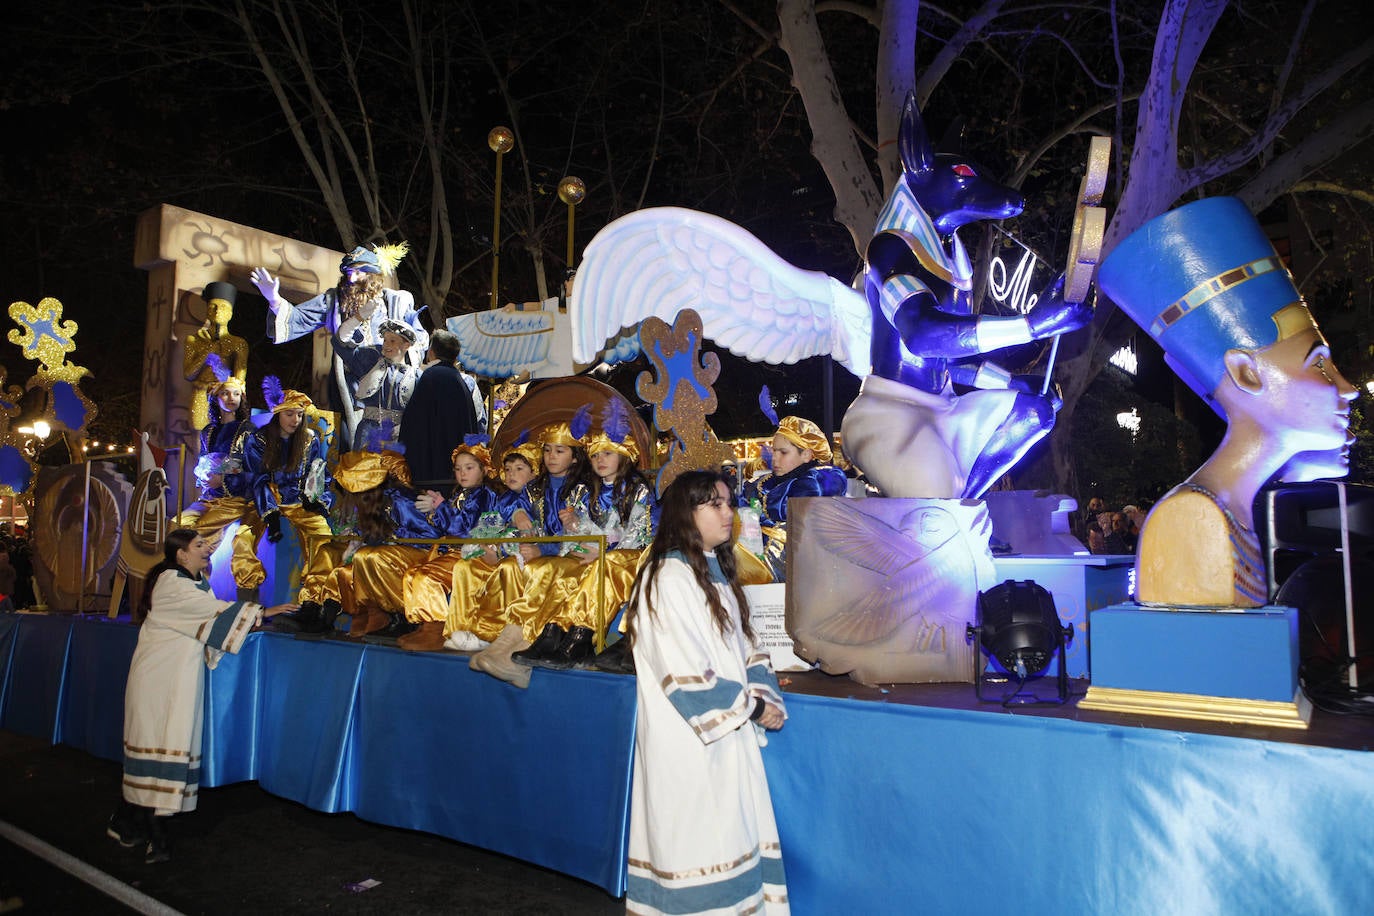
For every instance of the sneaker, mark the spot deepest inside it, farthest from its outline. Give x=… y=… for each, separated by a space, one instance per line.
x=156 y=852
x=124 y=828
x=157 y=841
x=464 y=641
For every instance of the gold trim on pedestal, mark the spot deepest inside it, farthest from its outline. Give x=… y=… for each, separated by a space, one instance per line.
x=1199 y=706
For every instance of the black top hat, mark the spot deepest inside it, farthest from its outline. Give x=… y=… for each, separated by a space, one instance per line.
x=220 y=290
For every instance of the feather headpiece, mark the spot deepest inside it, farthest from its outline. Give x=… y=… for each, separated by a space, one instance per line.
x=293 y=400
x=571 y=432
x=476 y=445
x=522 y=447
x=224 y=379
x=389 y=256
x=616 y=433
x=272 y=391
x=383 y=437
x=215 y=362
x=766 y=405
x=805 y=435
x=581 y=421
x=359 y=471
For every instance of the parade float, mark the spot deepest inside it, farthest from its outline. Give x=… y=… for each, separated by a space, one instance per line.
x=885 y=588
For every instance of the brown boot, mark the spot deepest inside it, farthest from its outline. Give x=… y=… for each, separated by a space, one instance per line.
x=429 y=638
x=495 y=659
x=367 y=618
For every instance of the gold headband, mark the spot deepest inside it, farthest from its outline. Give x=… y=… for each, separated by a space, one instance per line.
x=480 y=452
x=293 y=400
x=805 y=435
x=530 y=451
x=604 y=443
x=559 y=434
x=232 y=383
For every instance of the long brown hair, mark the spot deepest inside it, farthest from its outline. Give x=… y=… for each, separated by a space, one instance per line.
x=176 y=539
x=272 y=459
x=371 y=511
x=677 y=532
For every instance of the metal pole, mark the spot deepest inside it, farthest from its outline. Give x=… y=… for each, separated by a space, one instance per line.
x=500 y=140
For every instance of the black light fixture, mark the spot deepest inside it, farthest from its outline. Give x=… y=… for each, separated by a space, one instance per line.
x=1018 y=628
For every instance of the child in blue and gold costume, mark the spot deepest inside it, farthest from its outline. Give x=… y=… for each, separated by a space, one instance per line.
x=378 y=492
x=286 y=478
x=222 y=499
x=801 y=467
x=514 y=592
x=427 y=584
x=576 y=601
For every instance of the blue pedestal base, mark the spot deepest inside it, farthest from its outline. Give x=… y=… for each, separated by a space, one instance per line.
x=1229 y=666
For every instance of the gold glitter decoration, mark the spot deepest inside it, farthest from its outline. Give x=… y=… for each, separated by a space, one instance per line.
x=44 y=336
x=501 y=140
x=503 y=398
x=1089 y=223
x=679 y=387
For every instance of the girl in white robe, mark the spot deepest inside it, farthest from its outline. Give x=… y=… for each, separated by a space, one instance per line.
x=702 y=834
x=187 y=630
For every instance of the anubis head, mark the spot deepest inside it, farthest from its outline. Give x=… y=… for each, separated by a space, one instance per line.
x=951 y=189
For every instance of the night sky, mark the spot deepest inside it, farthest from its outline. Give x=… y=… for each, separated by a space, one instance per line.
x=110 y=109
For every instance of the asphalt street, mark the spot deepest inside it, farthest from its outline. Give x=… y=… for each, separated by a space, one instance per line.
x=247 y=851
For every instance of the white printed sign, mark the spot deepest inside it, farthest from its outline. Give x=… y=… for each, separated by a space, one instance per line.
x=767 y=615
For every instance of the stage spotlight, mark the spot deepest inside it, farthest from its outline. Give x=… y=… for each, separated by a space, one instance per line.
x=1019 y=629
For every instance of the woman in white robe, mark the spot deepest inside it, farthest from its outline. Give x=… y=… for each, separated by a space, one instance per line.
x=187 y=630
x=702 y=834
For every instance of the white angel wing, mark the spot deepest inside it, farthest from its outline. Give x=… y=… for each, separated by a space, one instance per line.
x=499 y=344
x=662 y=260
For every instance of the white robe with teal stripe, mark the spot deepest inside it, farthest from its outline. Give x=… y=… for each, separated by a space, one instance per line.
x=702 y=834
x=187 y=629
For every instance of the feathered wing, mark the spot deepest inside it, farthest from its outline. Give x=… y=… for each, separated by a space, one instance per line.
x=863 y=540
x=911 y=584
x=499 y=344
x=662 y=260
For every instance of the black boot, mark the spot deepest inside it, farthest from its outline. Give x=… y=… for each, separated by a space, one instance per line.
x=550 y=638
x=329 y=612
x=615 y=658
x=304 y=620
x=157 y=850
x=127 y=825
x=394 y=630
x=577 y=648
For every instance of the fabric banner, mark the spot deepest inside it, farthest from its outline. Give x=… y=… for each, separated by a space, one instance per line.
x=890 y=809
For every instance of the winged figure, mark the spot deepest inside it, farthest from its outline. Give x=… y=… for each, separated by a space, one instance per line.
x=911 y=333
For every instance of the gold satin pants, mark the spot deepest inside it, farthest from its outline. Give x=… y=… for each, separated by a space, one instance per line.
x=379 y=574
x=219 y=514
x=428 y=586
x=479 y=595
x=312 y=530
x=569 y=592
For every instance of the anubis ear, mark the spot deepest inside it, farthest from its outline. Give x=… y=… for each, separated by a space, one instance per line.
x=1243 y=371
x=912 y=140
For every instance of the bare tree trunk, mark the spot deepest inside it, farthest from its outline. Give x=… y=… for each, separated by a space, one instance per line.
x=833 y=143
x=1153 y=182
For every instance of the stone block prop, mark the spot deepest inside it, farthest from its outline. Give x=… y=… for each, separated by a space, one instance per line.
x=1034 y=522
x=882 y=589
x=1236 y=665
